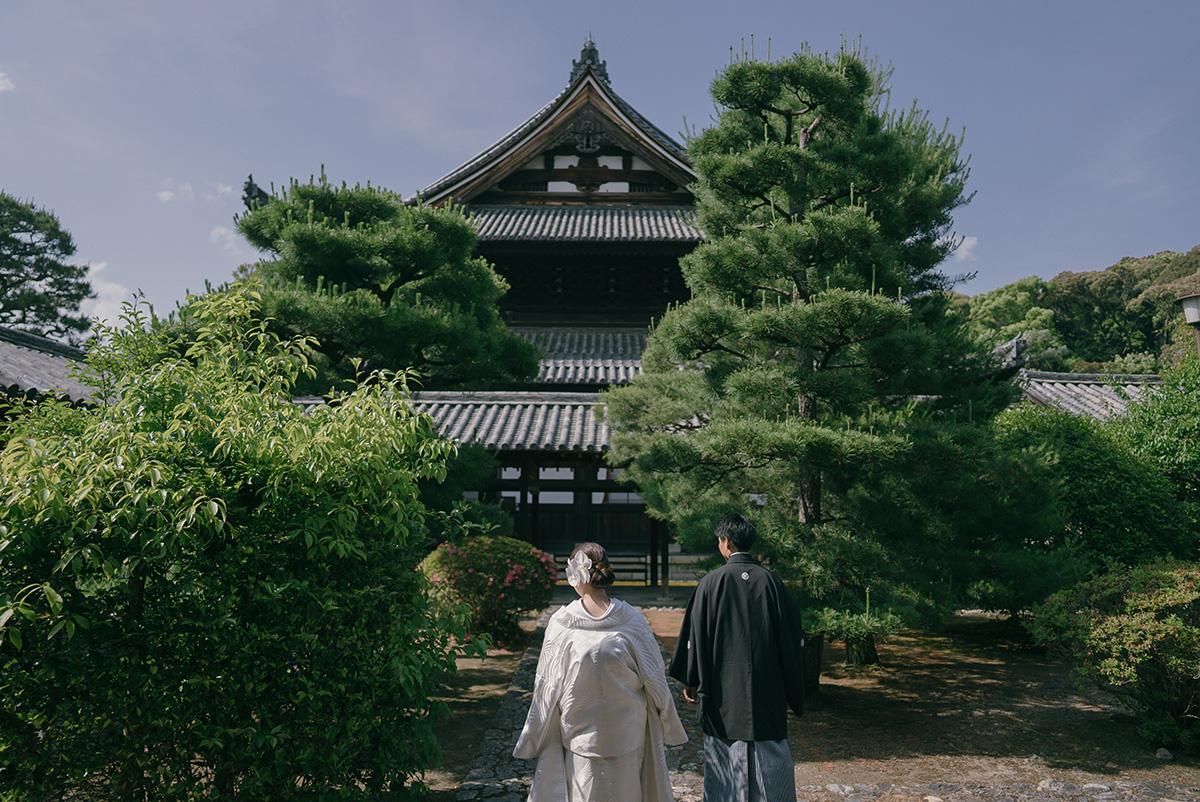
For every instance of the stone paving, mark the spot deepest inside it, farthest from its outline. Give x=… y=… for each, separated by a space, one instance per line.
x=496 y=776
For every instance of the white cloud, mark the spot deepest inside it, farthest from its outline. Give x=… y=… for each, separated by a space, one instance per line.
x=228 y=241
x=173 y=189
x=211 y=191
x=966 y=249
x=6 y=84
x=219 y=194
x=110 y=297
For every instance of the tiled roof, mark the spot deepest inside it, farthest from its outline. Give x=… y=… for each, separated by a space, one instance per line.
x=29 y=363
x=587 y=223
x=587 y=355
x=1100 y=396
x=551 y=421
x=518 y=421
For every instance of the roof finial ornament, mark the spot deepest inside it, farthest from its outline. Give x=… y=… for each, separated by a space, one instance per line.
x=589 y=57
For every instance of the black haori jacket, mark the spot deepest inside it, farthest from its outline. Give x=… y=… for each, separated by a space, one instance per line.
x=742 y=646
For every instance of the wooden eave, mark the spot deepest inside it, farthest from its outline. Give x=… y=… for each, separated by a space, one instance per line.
x=588 y=91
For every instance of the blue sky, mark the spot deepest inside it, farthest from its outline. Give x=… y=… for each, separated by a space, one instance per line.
x=137 y=122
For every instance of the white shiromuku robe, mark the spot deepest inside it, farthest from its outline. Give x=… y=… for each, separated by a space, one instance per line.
x=601 y=710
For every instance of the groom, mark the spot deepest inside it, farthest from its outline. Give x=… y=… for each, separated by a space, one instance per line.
x=741 y=656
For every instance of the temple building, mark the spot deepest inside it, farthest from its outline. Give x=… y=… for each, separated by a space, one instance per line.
x=585 y=210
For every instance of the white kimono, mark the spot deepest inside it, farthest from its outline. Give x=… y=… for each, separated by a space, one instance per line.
x=601 y=710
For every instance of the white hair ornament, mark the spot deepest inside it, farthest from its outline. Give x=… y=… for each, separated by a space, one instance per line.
x=579 y=570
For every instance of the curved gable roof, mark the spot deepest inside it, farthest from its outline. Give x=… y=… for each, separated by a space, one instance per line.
x=588 y=91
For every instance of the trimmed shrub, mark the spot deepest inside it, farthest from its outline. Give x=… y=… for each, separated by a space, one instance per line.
x=495 y=578
x=1136 y=632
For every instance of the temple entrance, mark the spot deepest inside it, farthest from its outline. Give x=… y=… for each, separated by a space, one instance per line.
x=557 y=506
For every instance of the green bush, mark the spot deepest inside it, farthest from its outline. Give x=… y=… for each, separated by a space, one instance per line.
x=1163 y=426
x=469 y=469
x=1119 y=508
x=1136 y=632
x=496 y=578
x=207 y=593
x=1013 y=578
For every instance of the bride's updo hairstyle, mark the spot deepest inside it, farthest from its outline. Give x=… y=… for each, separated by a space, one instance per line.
x=602 y=572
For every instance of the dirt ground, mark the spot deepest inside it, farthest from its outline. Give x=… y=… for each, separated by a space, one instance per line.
x=473 y=697
x=968 y=705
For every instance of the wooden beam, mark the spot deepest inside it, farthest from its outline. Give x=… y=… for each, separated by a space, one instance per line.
x=546 y=485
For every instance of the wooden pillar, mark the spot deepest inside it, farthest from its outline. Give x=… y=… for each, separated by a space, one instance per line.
x=535 y=529
x=527 y=508
x=582 y=505
x=522 y=512
x=665 y=588
x=654 y=535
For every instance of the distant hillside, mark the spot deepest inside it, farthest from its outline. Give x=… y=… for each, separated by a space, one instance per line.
x=1122 y=319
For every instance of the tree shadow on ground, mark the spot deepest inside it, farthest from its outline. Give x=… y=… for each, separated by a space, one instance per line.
x=973 y=691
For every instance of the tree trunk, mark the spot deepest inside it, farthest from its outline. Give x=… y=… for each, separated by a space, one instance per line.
x=814 y=648
x=861 y=651
x=809 y=494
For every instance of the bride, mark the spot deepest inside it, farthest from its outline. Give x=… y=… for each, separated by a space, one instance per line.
x=601 y=709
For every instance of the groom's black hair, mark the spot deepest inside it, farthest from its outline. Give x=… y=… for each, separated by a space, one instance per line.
x=738 y=530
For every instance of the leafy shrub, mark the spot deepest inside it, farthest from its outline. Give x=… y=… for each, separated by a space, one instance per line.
x=1137 y=632
x=1163 y=425
x=206 y=592
x=470 y=468
x=1119 y=507
x=496 y=578
x=1014 y=578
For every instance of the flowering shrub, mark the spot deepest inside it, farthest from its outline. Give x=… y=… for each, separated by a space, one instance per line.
x=496 y=578
x=1137 y=632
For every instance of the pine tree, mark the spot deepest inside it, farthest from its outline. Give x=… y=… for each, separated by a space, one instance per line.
x=382 y=285
x=40 y=292
x=817 y=375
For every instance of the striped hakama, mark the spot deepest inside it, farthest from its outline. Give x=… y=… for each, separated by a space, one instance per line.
x=748 y=771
